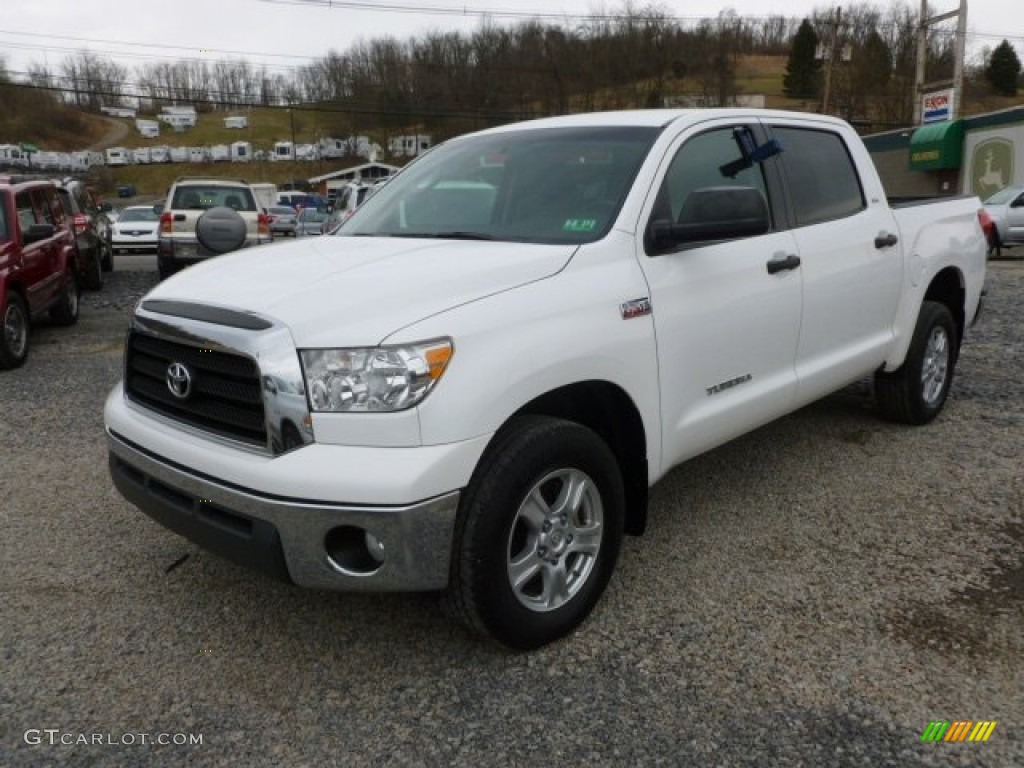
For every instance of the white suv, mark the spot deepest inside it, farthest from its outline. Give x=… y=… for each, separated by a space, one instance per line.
x=205 y=217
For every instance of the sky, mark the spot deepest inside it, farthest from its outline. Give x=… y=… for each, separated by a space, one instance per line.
x=284 y=34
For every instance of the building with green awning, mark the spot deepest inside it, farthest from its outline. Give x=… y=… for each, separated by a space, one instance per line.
x=937 y=146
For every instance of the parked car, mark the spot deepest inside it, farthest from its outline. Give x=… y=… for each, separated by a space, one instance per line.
x=38 y=272
x=92 y=229
x=299 y=200
x=492 y=362
x=1006 y=207
x=351 y=196
x=310 y=221
x=334 y=220
x=282 y=219
x=206 y=217
x=136 y=229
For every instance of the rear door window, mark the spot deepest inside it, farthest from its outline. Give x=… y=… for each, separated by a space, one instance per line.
x=55 y=206
x=822 y=179
x=44 y=213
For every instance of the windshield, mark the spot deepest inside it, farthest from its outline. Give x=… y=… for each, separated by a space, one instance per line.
x=138 y=214
x=198 y=197
x=555 y=185
x=1003 y=196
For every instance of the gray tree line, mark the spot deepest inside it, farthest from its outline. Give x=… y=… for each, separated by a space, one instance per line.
x=445 y=83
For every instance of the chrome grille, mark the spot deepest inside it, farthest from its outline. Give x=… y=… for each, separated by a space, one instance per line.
x=226 y=396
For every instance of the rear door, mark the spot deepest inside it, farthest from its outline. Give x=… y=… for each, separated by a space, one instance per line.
x=851 y=257
x=727 y=327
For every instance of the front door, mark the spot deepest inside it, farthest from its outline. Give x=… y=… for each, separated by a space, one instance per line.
x=727 y=326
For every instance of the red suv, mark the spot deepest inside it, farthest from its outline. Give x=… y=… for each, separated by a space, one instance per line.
x=37 y=263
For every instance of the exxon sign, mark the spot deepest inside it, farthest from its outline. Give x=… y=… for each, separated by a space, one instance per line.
x=937 y=106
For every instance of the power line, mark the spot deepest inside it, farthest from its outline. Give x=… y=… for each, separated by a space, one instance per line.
x=159 y=46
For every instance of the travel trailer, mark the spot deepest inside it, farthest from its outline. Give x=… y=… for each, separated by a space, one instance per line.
x=149 y=129
x=283 y=150
x=118 y=156
x=241 y=152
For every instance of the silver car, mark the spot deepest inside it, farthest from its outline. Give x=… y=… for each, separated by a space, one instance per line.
x=310 y=222
x=282 y=220
x=1006 y=207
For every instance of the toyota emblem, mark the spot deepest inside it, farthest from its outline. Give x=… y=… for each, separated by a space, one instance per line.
x=179 y=380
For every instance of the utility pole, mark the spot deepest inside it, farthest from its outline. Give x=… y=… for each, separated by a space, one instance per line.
x=957 y=83
x=295 y=169
x=830 y=59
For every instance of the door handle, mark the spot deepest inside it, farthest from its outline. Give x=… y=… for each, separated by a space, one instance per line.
x=885 y=240
x=780 y=264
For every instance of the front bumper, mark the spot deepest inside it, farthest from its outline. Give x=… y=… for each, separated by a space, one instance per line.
x=288 y=538
x=148 y=242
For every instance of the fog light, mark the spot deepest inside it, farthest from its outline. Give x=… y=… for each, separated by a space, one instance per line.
x=353 y=551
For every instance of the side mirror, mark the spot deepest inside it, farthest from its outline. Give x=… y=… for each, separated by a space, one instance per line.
x=38 y=232
x=713 y=213
x=158 y=208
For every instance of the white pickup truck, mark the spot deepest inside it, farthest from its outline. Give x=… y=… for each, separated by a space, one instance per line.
x=472 y=385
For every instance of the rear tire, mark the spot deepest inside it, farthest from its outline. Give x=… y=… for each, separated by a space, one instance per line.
x=14 y=332
x=65 y=311
x=916 y=392
x=537 y=534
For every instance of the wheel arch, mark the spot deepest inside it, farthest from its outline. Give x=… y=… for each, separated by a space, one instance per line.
x=607 y=410
x=947 y=287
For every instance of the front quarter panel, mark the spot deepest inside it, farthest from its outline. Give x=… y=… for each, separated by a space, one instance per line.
x=514 y=346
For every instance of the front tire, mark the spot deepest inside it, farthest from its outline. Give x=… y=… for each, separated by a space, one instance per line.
x=14 y=331
x=916 y=392
x=537 y=534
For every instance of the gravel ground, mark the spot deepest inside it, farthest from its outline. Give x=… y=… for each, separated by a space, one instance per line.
x=812 y=594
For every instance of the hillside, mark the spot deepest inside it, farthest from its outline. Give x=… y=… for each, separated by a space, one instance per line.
x=31 y=116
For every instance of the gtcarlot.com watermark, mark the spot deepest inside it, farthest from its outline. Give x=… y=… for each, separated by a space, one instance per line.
x=56 y=737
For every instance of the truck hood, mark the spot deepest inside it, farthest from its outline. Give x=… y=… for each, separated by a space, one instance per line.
x=356 y=291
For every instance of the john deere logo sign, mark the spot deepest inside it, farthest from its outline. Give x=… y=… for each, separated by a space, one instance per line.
x=991 y=167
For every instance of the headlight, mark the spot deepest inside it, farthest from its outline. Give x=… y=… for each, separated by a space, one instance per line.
x=376 y=379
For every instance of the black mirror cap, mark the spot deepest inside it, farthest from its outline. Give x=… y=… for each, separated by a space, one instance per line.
x=158 y=208
x=38 y=232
